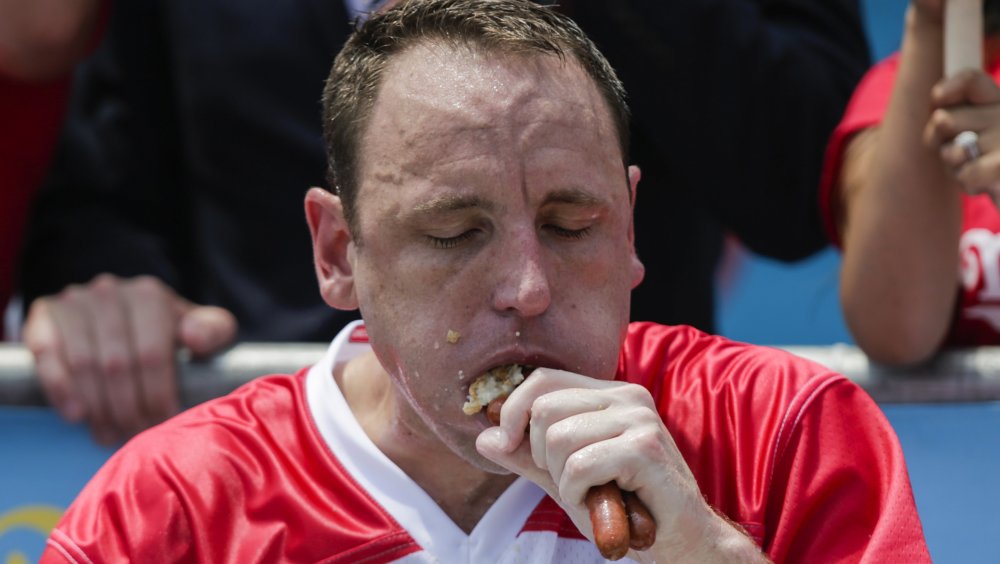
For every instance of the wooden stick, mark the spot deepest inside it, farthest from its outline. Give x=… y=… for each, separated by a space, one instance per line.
x=963 y=35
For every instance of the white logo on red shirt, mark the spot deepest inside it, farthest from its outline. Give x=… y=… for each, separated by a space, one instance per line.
x=979 y=254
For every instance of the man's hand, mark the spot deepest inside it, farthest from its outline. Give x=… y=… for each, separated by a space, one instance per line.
x=104 y=351
x=968 y=101
x=568 y=433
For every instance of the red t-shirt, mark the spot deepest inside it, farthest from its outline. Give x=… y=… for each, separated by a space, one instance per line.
x=977 y=316
x=281 y=471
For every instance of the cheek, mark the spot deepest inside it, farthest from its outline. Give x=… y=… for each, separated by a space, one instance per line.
x=604 y=271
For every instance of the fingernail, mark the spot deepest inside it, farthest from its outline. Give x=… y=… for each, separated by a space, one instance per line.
x=496 y=438
x=503 y=441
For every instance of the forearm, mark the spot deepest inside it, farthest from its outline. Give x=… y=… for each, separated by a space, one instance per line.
x=40 y=39
x=720 y=541
x=901 y=235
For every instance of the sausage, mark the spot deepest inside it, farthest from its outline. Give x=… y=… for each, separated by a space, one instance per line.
x=620 y=519
x=493 y=410
x=607 y=516
x=641 y=526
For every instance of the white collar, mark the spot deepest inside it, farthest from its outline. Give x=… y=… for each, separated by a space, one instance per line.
x=408 y=504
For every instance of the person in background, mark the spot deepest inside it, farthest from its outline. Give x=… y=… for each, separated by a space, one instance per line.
x=193 y=135
x=910 y=193
x=734 y=101
x=477 y=232
x=40 y=42
x=170 y=216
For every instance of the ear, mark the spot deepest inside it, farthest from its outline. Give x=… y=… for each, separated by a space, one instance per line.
x=638 y=270
x=333 y=248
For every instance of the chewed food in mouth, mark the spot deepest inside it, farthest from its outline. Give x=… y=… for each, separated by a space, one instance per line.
x=496 y=383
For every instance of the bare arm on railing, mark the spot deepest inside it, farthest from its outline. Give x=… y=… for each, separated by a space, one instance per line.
x=901 y=185
x=104 y=351
x=902 y=214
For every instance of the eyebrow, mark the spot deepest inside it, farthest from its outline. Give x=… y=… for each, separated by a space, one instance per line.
x=572 y=196
x=453 y=203
x=457 y=203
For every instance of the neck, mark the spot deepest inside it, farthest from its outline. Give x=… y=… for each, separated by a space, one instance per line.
x=463 y=492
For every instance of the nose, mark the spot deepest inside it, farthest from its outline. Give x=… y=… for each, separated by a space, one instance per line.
x=522 y=278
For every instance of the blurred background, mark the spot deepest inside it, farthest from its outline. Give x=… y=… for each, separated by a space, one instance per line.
x=765 y=301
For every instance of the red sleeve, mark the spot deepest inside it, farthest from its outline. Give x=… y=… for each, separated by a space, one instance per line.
x=129 y=512
x=840 y=491
x=866 y=109
x=801 y=458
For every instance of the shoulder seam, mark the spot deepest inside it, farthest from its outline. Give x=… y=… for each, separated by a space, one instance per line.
x=65 y=544
x=797 y=407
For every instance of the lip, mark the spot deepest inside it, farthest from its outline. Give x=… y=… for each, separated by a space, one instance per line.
x=524 y=356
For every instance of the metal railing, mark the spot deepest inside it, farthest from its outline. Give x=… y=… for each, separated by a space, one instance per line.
x=199 y=380
x=970 y=375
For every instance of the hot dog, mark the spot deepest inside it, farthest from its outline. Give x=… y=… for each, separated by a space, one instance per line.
x=641 y=526
x=609 y=520
x=620 y=519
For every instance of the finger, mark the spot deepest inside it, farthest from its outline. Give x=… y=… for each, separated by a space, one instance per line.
x=978 y=175
x=71 y=315
x=491 y=444
x=516 y=411
x=206 y=329
x=589 y=466
x=566 y=420
x=152 y=328
x=945 y=124
x=954 y=156
x=969 y=86
x=42 y=338
x=115 y=357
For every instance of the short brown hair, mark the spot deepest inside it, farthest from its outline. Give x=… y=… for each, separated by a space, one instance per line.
x=504 y=26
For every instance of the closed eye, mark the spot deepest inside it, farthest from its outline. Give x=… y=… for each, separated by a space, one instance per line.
x=569 y=233
x=451 y=242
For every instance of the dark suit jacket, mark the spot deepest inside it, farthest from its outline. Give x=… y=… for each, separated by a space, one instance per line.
x=193 y=136
x=733 y=102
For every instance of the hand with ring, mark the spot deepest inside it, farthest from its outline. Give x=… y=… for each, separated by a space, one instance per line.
x=968 y=142
x=965 y=127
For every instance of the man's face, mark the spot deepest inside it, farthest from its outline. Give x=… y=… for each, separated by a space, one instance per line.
x=492 y=204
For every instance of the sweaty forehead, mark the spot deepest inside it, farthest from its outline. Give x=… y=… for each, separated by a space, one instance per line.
x=438 y=93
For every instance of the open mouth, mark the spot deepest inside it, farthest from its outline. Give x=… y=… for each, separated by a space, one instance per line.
x=495 y=383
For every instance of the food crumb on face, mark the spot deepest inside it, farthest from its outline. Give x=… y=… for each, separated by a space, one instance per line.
x=453 y=336
x=517 y=333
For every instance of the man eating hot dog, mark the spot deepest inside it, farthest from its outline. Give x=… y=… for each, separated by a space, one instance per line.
x=480 y=218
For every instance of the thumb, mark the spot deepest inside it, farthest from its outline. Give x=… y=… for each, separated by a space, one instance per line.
x=492 y=444
x=205 y=329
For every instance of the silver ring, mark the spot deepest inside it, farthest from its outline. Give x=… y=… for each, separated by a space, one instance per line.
x=969 y=142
